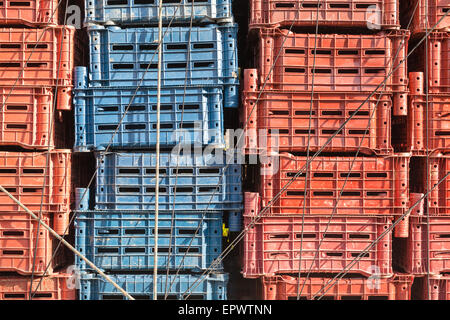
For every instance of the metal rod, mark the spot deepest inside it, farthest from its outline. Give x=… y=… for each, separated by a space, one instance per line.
x=158 y=127
x=57 y=236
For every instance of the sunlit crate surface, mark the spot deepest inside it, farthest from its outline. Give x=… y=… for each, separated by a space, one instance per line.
x=33 y=13
x=19 y=251
x=274 y=244
x=336 y=185
x=334 y=62
x=126 y=181
x=26 y=118
x=23 y=175
x=285 y=119
x=56 y=287
x=427 y=250
x=133 y=12
x=195 y=56
x=192 y=115
x=124 y=241
x=140 y=286
x=39 y=57
x=288 y=288
x=367 y=14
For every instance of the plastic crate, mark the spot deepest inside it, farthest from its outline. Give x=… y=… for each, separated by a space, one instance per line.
x=26 y=117
x=51 y=288
x=439 y=288
x=438 y=126
x=126 y=181
x=140 y=286
x=39 y=58
x=332 y=13
x=272 y=245
x=283 y=118
x=121 y=57
x=146 y=12
x=414 y=253
x=427 y=15
x=438 y=59
x=23 y=175
x=123 y=241
x=438 y=200
x=376 y=186
x=344 y=63
x=98 y=111
x=286 y=288
x=18 y=244
x=32 y=13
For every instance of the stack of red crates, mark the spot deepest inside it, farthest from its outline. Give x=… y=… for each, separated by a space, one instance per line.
x=426 y=252
x=36 y=64
x=303 y=88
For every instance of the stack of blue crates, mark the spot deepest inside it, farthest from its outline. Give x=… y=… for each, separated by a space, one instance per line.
x=115 y=102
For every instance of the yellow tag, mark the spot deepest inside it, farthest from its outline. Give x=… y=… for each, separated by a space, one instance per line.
x=225 y=231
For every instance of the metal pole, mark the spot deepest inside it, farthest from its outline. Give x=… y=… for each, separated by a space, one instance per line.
x=158 y=127
x=57 y=236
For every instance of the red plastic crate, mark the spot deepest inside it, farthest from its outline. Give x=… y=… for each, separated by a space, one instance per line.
x=437 y=55
x=289 y=113
x=332 y=13
x=52 y=288
x=438 y=203
x=23 y=175
x=376 y=186
x=272 y=245
x=427 y=15
x=32 y=12
x=18 y=243
x=438 y=126
x=439 y=288
x=25 y=118
x=413 y=253
x=344 y=63
x=33 y=57
x=286 y=288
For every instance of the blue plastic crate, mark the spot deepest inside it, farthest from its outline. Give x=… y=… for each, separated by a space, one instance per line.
x=128 y=57
x=124 y=241
x=139 y=286
x=126 y=181
x=146 y=12
x=98 y=111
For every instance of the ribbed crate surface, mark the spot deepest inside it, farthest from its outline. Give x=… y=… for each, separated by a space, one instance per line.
x=32 y=13
x=334 y=62
x=283 y=120
x=361 y=185
x=274 y=245
x=18 y=235
x=140 y=286
x=429 y=179
x=146 y=12
x=369 y=14
x=53 y=287
x=287 y=288
x=434 y=60
x=124 y=241
x=26 y=117
x=126 y=181
x=427 y=15
x=38 y=57
x=192 y=115
x=199 y=56
x=40 y=181
x=439 y=288
x=427 y=250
